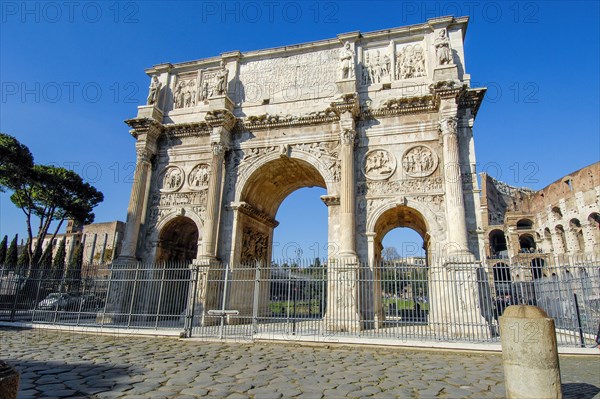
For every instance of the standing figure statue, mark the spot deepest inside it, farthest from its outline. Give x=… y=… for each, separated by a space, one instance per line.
x=442 y=49
x=155 y=86
x=221 y=86
x=347 y=62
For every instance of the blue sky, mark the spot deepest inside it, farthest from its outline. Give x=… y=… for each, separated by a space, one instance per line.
x=71 y=72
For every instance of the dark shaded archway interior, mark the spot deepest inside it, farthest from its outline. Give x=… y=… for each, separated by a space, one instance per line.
x=497 y=242
x=178 y=241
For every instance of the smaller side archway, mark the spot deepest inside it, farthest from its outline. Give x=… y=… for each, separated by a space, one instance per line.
x=178 y=241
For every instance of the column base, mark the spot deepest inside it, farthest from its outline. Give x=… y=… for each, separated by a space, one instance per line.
x=126 y=260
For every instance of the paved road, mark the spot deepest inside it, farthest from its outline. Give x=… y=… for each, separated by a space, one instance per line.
x=66 y=364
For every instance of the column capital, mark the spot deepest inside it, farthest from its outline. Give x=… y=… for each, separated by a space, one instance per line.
x=448 y=125
x=143 y=155
x=218 y=149
x=348 y=136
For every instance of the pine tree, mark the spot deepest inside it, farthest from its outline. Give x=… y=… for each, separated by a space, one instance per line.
x=74 y=270
x=11 y=255
x=45 y=262
x=58 y=264
x=3 y=250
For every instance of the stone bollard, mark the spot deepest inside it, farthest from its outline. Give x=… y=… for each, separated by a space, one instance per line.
x=529 y=353
x=9 y=381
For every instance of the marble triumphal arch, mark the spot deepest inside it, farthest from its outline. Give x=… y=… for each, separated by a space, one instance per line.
x=381 y=120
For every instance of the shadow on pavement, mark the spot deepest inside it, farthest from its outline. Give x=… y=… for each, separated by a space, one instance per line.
x=579 y=390
x=53 y=378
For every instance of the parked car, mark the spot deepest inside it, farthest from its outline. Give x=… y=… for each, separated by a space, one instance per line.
x=60 y=301
x=90 y=302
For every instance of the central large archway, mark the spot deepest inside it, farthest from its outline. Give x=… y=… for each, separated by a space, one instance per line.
x=264 y=188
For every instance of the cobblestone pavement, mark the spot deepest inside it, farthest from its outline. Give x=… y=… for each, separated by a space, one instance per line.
x=67 y=364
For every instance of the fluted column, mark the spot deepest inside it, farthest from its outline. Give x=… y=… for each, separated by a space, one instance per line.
x=455 y=206
x=139 y=192
x=347 y=194
x=213 y=203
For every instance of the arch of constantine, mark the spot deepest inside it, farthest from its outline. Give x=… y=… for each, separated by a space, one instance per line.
x=383 y=121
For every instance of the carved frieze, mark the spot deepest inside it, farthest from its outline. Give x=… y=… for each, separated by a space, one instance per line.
x=419 y=161
x=198 y=177
x=172 y=179
x=398 y=106
x=297 y=75
x=327 y=152
x=184 y=94
x=430 y=184
x=376 y=66
x=181 y=130
x=410 y=62
x=346 y=290
x=174 y=199
x=267 y=121
x=254 y=246
x=379 y=164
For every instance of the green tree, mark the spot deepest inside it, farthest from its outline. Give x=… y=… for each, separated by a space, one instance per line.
x=73 y=277
x=11 y=255
x=16 y=162
x=390 y=253
x=3 y=249
x=54 y=194
x=58 y=263
x=45 y=263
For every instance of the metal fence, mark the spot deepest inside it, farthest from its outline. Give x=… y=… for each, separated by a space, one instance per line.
x=311 y=300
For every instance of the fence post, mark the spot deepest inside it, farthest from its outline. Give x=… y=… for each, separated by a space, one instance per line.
x=191 y=306
x=581 y=339
x=257 y=278
x=529 y=353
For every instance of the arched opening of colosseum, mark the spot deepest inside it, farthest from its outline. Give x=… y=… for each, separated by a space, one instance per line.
x=547 y=240
x=594 y=221
x=255 y=221
x=497 y=243
x=524 y=224
x=527 y=243
x=401 y=288
x=557 y=213
x=562 y=240
x=575 y=226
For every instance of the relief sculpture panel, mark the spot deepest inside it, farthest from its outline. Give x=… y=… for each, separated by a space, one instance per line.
x=379 y=164
x=419 y=161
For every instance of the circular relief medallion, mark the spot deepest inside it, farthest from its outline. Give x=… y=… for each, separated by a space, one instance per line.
x=419 y=161
x=198 y=177
x=172 y=178
x=379 y=164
